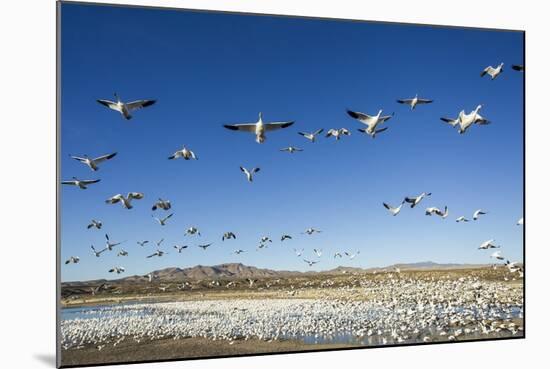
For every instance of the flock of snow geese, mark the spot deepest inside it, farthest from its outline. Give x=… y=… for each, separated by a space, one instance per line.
x=260 y=128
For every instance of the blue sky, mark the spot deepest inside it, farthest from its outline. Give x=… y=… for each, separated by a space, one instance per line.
x=208 y=69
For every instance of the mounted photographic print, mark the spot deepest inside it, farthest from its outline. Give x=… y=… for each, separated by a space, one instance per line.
x=241 y=184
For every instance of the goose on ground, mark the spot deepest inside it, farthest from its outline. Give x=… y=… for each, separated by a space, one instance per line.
x=73 y=260
x=184 y=153
x=352 y=256
x=310 y=262
x=95 y=224
x=477 y=213
x=311 y=231
x=492 y=71
x=142 y=243
x=180 y=248
x=461 y=218
x=291 y=149
x=125 y=201
x=192 y=231
x=80 y=183
x=122 y=253
x=371 y=121
x=414 y=101
x=311 y=135
x=259 y=128
x=394 y=210
x=158 y=253
x=497 y=255
x=249 y=173
x=228 y=236
x=520 y=221
x=161 y=204
x=318 y=252
x=125 y=109
x=93 y=163
x=298 y=252
x=285 y=237
x=488 y=245
x=162 y=221
x=239 y=251
x=205 y=246
x=336 y=133
x=416 y=200
x=97 y=253
x=116 y=270
x=110 y=244
x=518 y=67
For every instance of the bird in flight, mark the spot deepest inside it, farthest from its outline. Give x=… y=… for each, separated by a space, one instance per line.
x=205 y=246
x=184 y=153
x=142 y=243
x=125 y=201
x=95 y=224
x=371 y=121
x=228 y=236
x=285 y=237
x=162 y=221
x=249 y=173
x=311 y=231
x=477 y=213
x=291 y=149
x=97 y=253
x=109 y=245
x=260 y=128
x=161 y=204
x=117 y=270
x=180 y=248
x=158 y=253
x=311 y=135
x=416 y=200
x=72 y=260
x=336 y=133
x=394 y=210
x=93 y=163
x=80 y=183
x=494 y=72
x=310 y=262
x=414 y=101
x=125 y=109
x=488 y=245
x=192 y=231
x=122 y=253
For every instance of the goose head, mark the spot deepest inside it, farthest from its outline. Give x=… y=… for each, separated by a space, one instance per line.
x=260 y=118
x=116 y=97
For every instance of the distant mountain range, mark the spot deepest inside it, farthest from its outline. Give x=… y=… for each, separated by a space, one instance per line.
x=239 y=270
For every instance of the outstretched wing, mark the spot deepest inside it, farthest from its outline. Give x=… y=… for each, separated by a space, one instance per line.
x=90 y=181
x=424 y=101
x=138 y=104
x=104 y=157
x=108 y=103
x=362 y=117
x=404 y=101
x=277 y=125
x=245 y=127
x=135 y=195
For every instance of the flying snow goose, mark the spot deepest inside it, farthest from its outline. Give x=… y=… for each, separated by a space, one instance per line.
x=497 y=255
x=238 y=252
x=352 y=256
x=180 y=248
x=109 y=245
x=97 y=253
x=488 y=245
x=433 y=210
x=117 y=270
x=467 y=120
x=414 y=101
x=311 y=135
x=122 y=253
x=298 y=252
x=394 y=210
x=205 y=246
x=125 y=201
x=337 y=255
x=477 y=213
x=291 y=149
x=161 y=204
x=184 y=153
x=259 y=128
x=142 y=243
x=159 y=242
x=452 y=122
x=192 y=231
x=80 y=183
x=73 y=260
x=265 y=239
x=493 y=72
x=228 y=236
x=318 y=252
x=95 y=224
x=371 y=121
x=520 y=221
x=249 y=173
x=311 y=231
x=310 y=262
x=336 y=133
x=518 y=67
x=416 y=200
x=93 y=163
x=126 y=108
x=286 y=237
x=158 y=253
x=162 y=221
x=461 y=218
